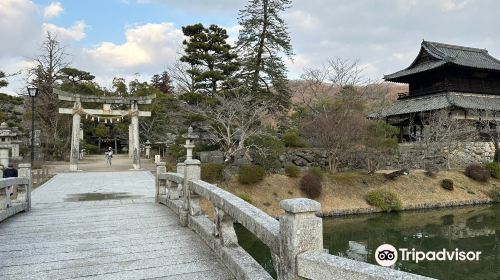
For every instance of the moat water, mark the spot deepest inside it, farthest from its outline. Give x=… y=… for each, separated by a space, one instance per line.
x=357 y=237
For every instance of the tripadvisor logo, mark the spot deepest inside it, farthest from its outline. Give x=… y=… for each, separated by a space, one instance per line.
x=388 y=255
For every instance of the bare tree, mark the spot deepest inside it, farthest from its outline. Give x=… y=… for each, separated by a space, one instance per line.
x=183 y=80
x=335 y=117
x=379 y=141
x=345 y=72
x=337 y=130
x=233 y=121
x=314 y=88
x=443 y=135
x=44 y=75
x=489 y=125
x=336 y=77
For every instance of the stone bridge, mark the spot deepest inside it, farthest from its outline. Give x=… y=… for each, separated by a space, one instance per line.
x=133 y=225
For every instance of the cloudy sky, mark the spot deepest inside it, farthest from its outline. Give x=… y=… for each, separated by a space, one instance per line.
x=138 y=38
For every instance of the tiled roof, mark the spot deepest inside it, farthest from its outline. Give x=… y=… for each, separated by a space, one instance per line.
x=443 y=100
x=450 y=54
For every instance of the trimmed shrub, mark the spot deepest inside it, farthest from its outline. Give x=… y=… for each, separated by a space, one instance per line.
x=292 y=171
x=317 y=171
x=477 y=172
x=292 y=139
x=212 y=172
x=310 y=184
x=385 y=200
x=246 y=198
x=251 y=174
x=447 y=184
x=494 y=168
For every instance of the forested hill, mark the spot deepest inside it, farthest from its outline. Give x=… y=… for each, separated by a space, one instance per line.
x=304 y=91
x=11 y=110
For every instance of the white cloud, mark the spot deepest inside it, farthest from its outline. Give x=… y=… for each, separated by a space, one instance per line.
x=75 y=32
x=19 y=27
x=453 y=5
x=53 y=10
x=305 y=20
x=147 y=46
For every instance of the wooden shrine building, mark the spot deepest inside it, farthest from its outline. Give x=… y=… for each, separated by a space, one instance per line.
x=459 y=79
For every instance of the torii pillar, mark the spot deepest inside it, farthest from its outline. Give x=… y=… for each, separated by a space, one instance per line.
x=75 y=137
x=136 y=152
x=130 y=141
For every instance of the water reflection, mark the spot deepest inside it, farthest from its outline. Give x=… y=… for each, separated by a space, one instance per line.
x=357 y=237
x=468 y=229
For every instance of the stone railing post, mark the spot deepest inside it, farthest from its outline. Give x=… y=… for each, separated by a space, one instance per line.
x=25 y=172
x=224 y=229
x=300 y=231
x=181 y=167
x=191 y=203
x=160 y=168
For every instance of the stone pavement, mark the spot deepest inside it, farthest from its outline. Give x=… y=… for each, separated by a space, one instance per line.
x=97 y=163
x=102 y=225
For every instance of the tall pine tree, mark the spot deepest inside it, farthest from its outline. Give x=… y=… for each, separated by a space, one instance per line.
x=211 y=57
x=163 y=82
x=263 y=41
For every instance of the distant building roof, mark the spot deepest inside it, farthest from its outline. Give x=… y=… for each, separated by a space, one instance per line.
x=441 y=101
x=441 y=54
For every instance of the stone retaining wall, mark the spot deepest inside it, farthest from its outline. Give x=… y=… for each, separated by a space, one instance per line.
x=305 y=157
x=416 y=206
x=470 y=152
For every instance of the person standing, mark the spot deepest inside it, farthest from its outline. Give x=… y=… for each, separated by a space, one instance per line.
x=10 y=172
x=109 y=156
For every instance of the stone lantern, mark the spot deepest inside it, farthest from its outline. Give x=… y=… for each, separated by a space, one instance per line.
x=9 y=144
x=148 y=149
x=190 y=137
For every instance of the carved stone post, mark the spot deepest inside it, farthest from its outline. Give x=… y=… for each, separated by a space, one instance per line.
x=192 y=171
x=160 y=168
x=25 y=172
x=300 y=231
x=75 y=137
x=136 y=152
x=181 y=169
x=224 y=229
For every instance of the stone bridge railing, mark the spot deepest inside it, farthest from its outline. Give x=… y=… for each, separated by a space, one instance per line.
x=15 y=193
x=295 y=240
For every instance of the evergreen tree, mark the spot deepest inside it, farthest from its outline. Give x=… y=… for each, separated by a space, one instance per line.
x=211 y=57
x=263 y=40
x=162 y=82
x=3 y=83
x=119 y=86
x=75 y=76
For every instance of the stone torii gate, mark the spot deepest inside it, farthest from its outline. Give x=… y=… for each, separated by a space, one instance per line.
x=105 y=113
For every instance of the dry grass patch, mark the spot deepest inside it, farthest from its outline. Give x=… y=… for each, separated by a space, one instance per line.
x=348 y=190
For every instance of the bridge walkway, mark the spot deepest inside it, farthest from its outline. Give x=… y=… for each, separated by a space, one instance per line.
x=102 y=225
